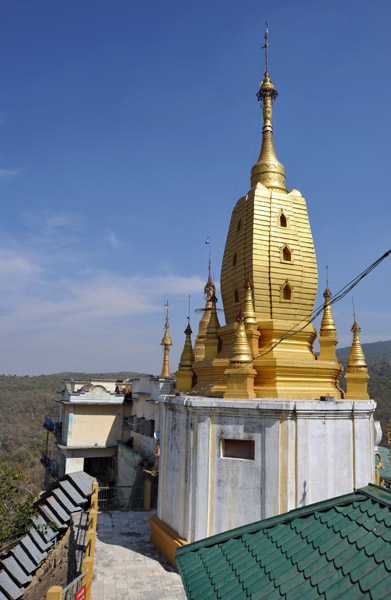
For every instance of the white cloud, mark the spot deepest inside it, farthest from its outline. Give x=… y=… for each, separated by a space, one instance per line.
x=10 y=173
x=14 y=265
x=59 y=221
x=47 y=223
x=89 y=299
x=113 y=240
x=58 y=311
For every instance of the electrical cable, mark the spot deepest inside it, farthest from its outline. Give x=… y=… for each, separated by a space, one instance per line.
x=306 y=320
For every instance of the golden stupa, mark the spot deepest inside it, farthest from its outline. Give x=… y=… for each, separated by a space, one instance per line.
x=270 y=245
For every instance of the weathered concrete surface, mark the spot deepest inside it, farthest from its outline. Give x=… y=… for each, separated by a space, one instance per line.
x=127 y=566
x=305 y=451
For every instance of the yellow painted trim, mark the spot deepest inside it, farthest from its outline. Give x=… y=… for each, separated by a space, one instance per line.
x=166 y=539
x=54 y=593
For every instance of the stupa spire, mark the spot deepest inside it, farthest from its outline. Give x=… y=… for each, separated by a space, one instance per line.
x=328 y=333
x=185 y=374
x=210 y=287
x=267 y=170
x=212 y=340
x=166 y=343
x=241 y=352
x=356 y=357
x=209 y=290
x=356 y=372
x=248 y=312
x=327 y=326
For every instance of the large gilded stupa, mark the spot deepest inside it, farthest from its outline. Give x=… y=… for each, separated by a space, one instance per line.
x=269 y=276
x=259 y=425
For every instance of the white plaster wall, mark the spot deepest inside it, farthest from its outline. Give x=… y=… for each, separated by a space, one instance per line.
x=144 y=407
x=73 y=465
x=305 y=452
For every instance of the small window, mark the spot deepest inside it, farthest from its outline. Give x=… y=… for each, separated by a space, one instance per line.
x=239 y=225
x=286 y=254
x=243 y=449
x=234 y=260
x=237 y=296
x=287 y=292
x=283 y=222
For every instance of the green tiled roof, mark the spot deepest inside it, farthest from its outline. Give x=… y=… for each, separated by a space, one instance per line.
x=339 y=548
x=386 y=472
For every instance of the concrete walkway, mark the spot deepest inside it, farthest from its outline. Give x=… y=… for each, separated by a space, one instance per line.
x=127 y=566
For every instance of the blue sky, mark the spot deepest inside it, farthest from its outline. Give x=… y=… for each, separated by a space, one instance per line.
x=127 y=133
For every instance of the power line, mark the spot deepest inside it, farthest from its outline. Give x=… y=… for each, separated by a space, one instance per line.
x=306 y=320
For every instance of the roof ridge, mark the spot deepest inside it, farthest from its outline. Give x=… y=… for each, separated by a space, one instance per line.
x=381 y=495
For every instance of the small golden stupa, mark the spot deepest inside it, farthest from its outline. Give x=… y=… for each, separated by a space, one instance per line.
x=356 y=372
x=185 y=373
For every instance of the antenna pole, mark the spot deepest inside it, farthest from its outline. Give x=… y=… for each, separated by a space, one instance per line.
x=266 y=45
x=209 y=242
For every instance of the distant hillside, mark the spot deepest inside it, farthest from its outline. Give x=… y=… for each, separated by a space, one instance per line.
x=378 y=357
x=24 y=402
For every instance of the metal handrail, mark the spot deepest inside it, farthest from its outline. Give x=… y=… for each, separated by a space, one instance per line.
x=73 y=583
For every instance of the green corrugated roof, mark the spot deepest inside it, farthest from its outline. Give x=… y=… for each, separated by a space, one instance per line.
x=385 y=455
x=339 y=548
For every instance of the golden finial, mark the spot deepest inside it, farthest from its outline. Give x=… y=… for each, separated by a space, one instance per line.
x=166 y=343
x=210 y=287
x=248 y=312
x=187 y=356
x=209 y=290
x=212 y=341
x=356 y=372
x=185 y=376
x=241 y=352
x=213 y=324
x=356 y=360
x=327 y=327
x=268 y=170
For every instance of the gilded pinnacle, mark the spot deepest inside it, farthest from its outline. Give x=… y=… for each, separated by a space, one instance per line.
x=327 y=327
x=356 y=360
x=166 y=343
x=210 y=287
x=187 y=356
x=241 y=352
x=248 y=312
x=166 y=339
x=268 y=170
x=213 y=324
x=199 y=347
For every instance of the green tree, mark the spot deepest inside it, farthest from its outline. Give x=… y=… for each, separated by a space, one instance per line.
x=16 y=505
